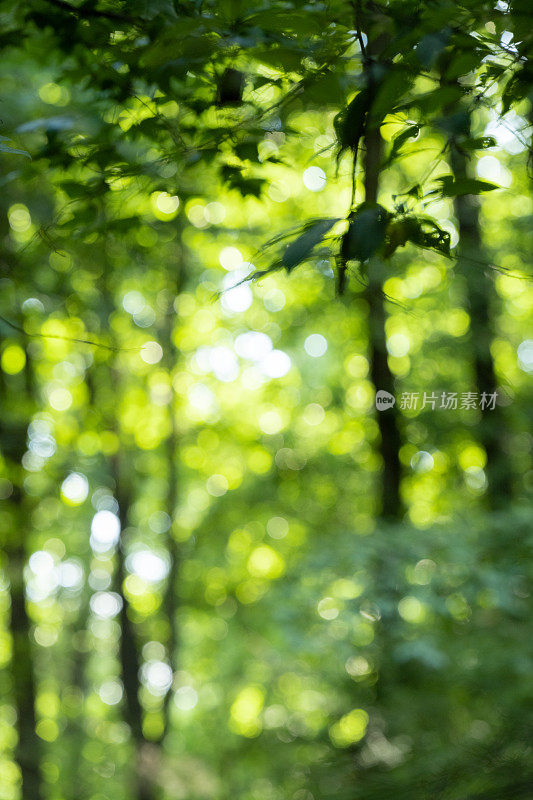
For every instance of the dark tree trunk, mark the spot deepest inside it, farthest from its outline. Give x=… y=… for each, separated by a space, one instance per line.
x=170 y=602
x=27 y=753
x=75 y=731
x=390 y=503
x=129 y=654
x=14 y=419
x=130 y=661
x=169 y=599
x=492 y=431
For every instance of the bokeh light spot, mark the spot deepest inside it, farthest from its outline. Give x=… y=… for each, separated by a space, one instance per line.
x=75 y=489
x=315 y=345
x=314 y=179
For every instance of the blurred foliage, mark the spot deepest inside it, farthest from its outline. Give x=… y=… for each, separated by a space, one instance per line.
x=201 y=595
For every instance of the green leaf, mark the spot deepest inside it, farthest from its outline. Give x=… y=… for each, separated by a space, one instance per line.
x=461 y=64
x=350 y=123
x=148 y=9
x=325 y=89
x=230 y=86
x=281 y=58
x=183 y=44
x=76 y=191
x=450 y=187
x=431 y=46
x=433 y=101
x=57 y=123
x=395 y=83
x=279 y=21
x=6 y=148
x=400 y=139
x=455 y=124
x=409 y=133
x=235 y=179
x=397 y=236
x=366 y=232
x=479 y=143
x=247 y=151
x=79 y=191
x=424 y=232
x=301 y=248
x=512 y=93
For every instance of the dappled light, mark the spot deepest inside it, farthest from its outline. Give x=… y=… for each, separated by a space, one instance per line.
x=266 y=469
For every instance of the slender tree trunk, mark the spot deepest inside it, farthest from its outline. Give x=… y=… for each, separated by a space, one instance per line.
x=389 y=498
x=390 y=503
x=75 y=732
x=170 y=603
x=129 y=656
x=169 y=598
x=27 y=753
x=492 y=432
x=130 y=662
x=14 y=419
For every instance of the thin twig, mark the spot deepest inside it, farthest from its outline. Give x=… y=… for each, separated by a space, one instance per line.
x=68 y=338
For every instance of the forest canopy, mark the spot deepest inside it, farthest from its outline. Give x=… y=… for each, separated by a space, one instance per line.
x=265 y=381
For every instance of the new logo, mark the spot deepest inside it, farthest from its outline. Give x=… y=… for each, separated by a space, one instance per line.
x=384 y=400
